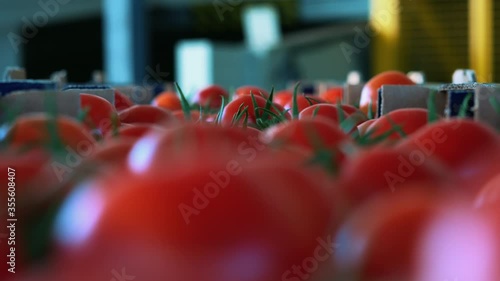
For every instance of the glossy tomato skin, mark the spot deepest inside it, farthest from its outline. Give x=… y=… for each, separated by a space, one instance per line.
x=349 y=109
x=466 y=147
x=384 y=171
x=145 y=114
x=122 y=101
x=211 y=96
x=283 y=97
x=206 y=214
x=100 y=113
x=248 y=90
x=460 y=242
x=489 y=195
x=380 y=240
x=245 y=101
x=369 y=93
x=333 y=95
x=408 y=119
x=363 y=127
x=167 y=100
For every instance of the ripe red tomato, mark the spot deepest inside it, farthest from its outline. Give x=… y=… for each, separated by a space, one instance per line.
x=385 y=170
x=333 y=95
x=167 y=100
x=460 y=243
x=100 y=113
x=327 y=111
x=34 y=130
x=248 y=90
x=122 y=101
x=369 y=93
x=245 y=101
x=363 y=127
x=349 y=109
x=313 y=135
x=380 y=240
x=135 y=131
x=490 y=193
x=408 y=119
x=145 y=114
x=211 y=96
x=466 y=147
x=303 y=102
x=283 y=97
x=181 y=216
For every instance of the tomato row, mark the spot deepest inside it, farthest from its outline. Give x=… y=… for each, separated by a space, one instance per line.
x=253 y=186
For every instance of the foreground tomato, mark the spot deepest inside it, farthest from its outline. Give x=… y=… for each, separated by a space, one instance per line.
x=211 y=96
x=384 y=170
x=99 y=115
x=490 y=193
x=135 y=131
x=380 y=240
x=460 y=243
x=369 y=94
x=203 y=215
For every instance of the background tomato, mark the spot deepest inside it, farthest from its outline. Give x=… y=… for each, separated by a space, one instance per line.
x=408 y=120
x=247 y=90
x=145 y=114
x=369 y=94
x=122 y=101
x=167 y=100
x=333 y=95
x=327 y=111
x=211 y=96
x=100 y=114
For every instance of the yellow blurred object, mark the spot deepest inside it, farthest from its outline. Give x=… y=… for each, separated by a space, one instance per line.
x=481 y=39
x=384 y=20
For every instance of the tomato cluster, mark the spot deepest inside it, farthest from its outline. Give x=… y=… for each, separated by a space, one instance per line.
x=251 y=186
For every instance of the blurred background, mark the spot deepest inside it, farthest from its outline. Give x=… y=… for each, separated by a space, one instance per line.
x=236 y=42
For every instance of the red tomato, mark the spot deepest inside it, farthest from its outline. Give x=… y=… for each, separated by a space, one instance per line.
x=349 y=109
x=333 y=95
x=283 y=97
x=303 y=102
x=145 y=114
x=382 y=171
x=247 y=90
x=327 y=111
x=467 y=147
x=460 y=243
x=369 y=93
x=245 y=101
x=211 y=96
x=490 y=193
x=363 y=127
x=180 y=216
x=100 y=113
x=122 y=101
x=167 y=100
x=380 y=240
x=408 y=119
x=313 y=135
x=135 y=131
x=34 y=129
